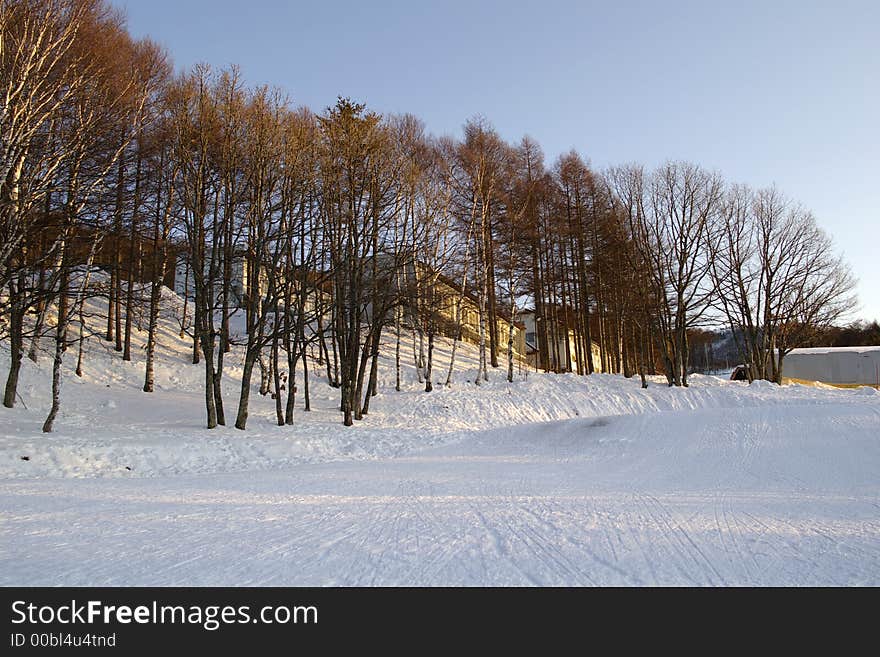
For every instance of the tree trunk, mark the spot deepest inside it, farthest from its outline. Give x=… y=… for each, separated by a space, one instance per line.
x=197 y=322
x=641 y=356
x=210 y=399
x=361 y=373
x=779 y=369
x=151 y=337
x=307 y=403
x=249 y=362
x=276 y=376
x=132 y=258
x=16 y=328
x=291 y=361
x=42 y=306
x=185 y=300
x=332 y=378
x=510 y=344
x=373 y=382
x=218 y=395
x=419 y=353
x=265 y=374
x=684 y=357
x=332 y=375
x=289 y=408
x=79 y=355
x=492 y=306
x=397 y=348
x=60 y=345
x=117 y=300
x=155 y=295
x=429 y=367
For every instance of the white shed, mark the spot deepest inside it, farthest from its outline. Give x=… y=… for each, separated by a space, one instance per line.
x=837 y=366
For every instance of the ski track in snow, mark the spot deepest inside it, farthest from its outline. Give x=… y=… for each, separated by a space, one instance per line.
x=552 y=480
x=548 y=504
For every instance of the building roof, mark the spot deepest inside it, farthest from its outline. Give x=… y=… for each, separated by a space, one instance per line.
x=835 y=350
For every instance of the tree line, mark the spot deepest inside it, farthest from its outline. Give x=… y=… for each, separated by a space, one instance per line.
x=342 y=225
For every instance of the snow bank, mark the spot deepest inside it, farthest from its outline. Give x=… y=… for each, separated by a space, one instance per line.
x=108 y=427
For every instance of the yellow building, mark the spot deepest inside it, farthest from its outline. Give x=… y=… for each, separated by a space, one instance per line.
x=445 y=302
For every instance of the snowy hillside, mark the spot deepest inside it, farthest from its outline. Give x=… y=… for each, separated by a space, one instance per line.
x=551 y=480
x=109 y=427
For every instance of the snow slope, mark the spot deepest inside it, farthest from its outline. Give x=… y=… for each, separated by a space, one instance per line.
x=551 y=480
x=109 y=427
x=720 y=496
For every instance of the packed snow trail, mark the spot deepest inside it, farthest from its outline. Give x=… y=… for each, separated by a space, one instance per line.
x=550 y=480
x=764 y=495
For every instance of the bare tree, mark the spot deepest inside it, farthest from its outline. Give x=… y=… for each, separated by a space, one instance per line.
x=776 y=277
x=47 y=70
x=353 y=151
x=193 y=119
x=672 y=221
x=480 y=156
x=107 y=104
x=265 y=241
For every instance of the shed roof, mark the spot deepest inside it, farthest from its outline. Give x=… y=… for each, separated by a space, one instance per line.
x=836 y=350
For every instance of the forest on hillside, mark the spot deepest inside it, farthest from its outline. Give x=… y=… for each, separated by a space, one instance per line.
x=344 y=222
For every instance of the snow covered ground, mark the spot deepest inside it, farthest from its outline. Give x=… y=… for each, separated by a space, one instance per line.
x=551 y=480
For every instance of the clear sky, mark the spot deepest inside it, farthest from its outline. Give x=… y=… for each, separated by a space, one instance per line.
x=764 y=91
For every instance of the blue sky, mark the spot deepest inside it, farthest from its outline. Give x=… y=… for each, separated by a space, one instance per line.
x=764 y=92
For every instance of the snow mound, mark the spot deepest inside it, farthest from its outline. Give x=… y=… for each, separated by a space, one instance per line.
x=108 y=427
